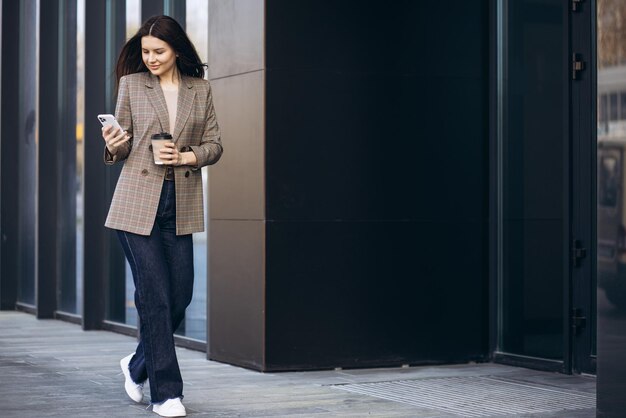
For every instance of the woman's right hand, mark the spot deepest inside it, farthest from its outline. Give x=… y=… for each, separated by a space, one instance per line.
x=114 y=139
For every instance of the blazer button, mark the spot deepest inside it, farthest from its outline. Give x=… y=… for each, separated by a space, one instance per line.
x=187 y=173
x=144 y=172
x=150 y=147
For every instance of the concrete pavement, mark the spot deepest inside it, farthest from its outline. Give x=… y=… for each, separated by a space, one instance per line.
x=53 y=368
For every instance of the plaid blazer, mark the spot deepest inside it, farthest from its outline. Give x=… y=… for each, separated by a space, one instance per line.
x=141 y=110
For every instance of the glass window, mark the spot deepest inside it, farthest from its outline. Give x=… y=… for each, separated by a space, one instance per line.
x=611 y=210
x=27 y=148
x=195 y=324
x=120 y=287
x=80 y=153
x=69 y=143
x=530 y=179
x=133 y=17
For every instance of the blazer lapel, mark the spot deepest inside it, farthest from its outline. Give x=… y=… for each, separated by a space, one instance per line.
x=157 y=100
x=186 y=96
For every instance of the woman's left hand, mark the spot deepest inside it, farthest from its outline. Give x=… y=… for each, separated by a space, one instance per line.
x=170 y=155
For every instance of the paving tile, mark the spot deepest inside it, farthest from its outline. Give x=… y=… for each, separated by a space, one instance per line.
x=51 y=368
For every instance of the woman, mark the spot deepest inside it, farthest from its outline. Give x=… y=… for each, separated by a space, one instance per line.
x=156 y=208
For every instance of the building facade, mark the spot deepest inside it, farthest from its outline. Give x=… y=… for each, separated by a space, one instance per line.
x=414 y=183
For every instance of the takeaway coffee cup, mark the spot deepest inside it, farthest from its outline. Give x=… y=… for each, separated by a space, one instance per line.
x=158 y=140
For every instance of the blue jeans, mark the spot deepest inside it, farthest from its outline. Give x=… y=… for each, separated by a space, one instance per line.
x=162 y=266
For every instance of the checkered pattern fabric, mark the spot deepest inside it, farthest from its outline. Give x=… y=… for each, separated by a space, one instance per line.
x=141 y=110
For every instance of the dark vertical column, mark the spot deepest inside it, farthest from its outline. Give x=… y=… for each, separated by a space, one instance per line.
x=583 y=155
x=102 y=260
x=236 y=296
x=115 y=283
x=50 y=121
x=493 y=179
x=151 y=8
x=9 y=166
x=96 y=238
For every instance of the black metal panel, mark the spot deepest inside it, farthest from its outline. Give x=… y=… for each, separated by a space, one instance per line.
x=151 y=8
x=360 y=120
x=493 y=179
x=376 y=165
x=115 y=283
x=95 y=263
x=103 y=257
x=386 y=293
x=50 y=121
x=9 y=166
x=411 y=38
x=360 y=145
x=584 y=144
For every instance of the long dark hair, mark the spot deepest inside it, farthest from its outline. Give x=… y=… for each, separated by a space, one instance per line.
x=168 y=30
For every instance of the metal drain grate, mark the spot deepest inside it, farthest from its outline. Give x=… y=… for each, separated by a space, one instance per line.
x=476 y=396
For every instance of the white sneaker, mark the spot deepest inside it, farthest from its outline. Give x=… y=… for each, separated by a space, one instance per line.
x=133 y=390
x=170 y=408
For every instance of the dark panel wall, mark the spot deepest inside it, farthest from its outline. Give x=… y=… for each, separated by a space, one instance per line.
x=9 y=238
x=376 y=183
x=104 y=261
x=236 y=185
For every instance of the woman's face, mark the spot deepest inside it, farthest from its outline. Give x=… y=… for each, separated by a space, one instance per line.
x=158 y=56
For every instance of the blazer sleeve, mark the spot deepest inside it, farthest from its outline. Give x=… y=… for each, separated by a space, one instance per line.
x=210 y=149
x=124 y=117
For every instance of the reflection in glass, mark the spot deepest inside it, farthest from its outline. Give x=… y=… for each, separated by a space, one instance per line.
x=608 y=180
x=80 y=137
x=133 y=17
x=613 y=109
x=194 y=326
x=611 y=176
x=531 y=182
x=69 y=285
x=133 y=22
x=27 y=148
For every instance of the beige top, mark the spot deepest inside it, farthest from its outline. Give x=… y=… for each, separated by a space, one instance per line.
x=171 y=100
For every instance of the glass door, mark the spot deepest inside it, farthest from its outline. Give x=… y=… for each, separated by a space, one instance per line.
x=546 y=167
x=533 y=182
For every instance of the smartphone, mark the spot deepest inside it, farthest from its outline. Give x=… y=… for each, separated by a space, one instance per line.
x=109 y=120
